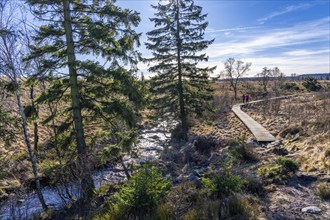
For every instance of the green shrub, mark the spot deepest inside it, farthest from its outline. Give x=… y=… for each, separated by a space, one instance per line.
x=140 y=196
x=311 y=84
x=239 y=150
x=223 y=184
x=290 y=86
x=324 y=191
x=280 y=170
x=269 y=171
x=289 y=164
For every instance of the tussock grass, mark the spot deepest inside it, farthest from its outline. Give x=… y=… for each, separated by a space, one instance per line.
x=278 y=171
x=323 y=190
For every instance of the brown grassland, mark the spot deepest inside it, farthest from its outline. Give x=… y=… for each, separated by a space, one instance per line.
x=300 y=124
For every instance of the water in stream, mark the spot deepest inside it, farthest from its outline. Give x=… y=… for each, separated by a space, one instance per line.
x=151 y=143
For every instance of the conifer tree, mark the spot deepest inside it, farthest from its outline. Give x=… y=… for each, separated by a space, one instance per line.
x=176 y=43
x=76 y=35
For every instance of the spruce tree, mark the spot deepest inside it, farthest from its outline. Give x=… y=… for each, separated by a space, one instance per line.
x=75 y=36
x=176 y=42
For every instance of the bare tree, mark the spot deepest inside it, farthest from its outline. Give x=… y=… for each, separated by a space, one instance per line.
x=264 y=77
x=12 y=49
x=234 y=70
x=293 y=76
x=278 y=80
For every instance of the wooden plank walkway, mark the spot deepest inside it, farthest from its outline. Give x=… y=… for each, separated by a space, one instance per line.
x=261 y=133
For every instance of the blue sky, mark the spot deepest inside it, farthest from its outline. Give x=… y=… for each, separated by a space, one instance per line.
x=292 y=35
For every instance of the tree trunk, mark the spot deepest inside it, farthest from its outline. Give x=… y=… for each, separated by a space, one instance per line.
x=234 y=83
x=235 y=93
x=87 y=184
x=28 y=144
x=183 y=115
x=125 y=168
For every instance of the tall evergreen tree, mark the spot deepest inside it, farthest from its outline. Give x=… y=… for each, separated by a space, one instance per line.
x=182 y=86
x=76 y=34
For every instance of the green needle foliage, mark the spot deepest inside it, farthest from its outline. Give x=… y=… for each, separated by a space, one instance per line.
x=82 y=48
x=181 y=86
x=140 y=196
x=311 y=84
x=223 y=184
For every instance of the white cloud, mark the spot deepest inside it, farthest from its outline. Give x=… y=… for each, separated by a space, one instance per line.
x=286 y=10
x=288 y=65
x=267 y=39
x=211 y=30
x=273 y=47
x=306 y=52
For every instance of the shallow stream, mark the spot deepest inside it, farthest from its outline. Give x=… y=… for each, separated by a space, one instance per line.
x=150 y=144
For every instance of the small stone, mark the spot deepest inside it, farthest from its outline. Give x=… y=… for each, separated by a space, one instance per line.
x=275 y=143
x=295 y=137
x=311 y=209
x=292 y=155
x=185 y=169
x=158 y=149
x=252 y=141
x=178 y=179
x=20 y=201
x=196 y=173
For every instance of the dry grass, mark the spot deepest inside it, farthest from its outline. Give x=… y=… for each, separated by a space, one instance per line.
x=324 y=190
x=304 y=125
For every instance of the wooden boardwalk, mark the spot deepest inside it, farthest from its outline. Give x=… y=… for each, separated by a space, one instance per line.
x=261 y=133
